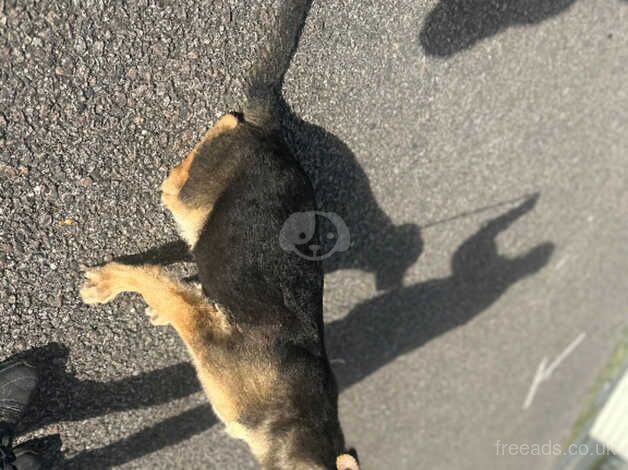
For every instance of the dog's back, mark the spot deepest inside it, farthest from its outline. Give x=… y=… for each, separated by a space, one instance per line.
x=272 y=297
x=241 y=263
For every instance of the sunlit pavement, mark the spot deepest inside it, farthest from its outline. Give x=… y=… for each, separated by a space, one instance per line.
x=477 y=156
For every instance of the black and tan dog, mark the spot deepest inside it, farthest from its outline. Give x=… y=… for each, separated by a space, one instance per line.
x=255 y=332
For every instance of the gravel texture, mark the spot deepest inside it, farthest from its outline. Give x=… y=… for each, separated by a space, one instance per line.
x=477 y=150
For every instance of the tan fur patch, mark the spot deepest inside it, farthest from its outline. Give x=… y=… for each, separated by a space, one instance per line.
x=347 y=462
x=190 y=220
x=257 y=441
x=242 y=386
x=179 y=174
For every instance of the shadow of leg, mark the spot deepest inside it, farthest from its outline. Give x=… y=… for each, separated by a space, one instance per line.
x=62 y=397
x=151 y=439
x=168 y=253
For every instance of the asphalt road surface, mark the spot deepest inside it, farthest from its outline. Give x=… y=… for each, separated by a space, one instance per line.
x=477 y=150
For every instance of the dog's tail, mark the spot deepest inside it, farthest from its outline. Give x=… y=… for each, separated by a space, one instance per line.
x=264 y=90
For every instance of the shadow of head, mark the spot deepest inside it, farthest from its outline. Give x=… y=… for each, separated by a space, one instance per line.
x=400 y=248
x=377 y=331
x=455 y=25
x=342 y=188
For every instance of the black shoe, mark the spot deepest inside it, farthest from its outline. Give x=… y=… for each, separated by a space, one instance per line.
x=26 y=458
x=20 y=458
x=18 y=380
x=17 y=383
x=6 y=458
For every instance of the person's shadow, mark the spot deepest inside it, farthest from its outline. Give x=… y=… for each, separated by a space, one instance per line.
x=371 y=335
x=455 y=25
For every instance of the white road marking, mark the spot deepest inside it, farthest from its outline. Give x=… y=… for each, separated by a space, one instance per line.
x=543 y=373
x=561 y=262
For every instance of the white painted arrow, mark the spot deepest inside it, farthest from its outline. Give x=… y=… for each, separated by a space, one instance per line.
x=544 y=373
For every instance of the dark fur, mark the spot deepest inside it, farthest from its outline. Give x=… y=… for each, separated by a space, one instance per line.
x=274 y=297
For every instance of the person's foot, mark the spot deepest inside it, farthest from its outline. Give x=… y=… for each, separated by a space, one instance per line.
x=26 y=458
x=6 y=458
x=20 y=458
x=18 y=380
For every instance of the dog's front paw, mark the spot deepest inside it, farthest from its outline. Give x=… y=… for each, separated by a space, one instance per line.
x=102 y=284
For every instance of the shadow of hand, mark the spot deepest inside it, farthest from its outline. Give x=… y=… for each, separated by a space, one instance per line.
x=377 y=331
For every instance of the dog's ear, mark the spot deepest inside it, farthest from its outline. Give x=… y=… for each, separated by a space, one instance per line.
x=347 y=462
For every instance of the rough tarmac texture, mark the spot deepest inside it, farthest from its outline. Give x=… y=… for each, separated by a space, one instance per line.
x=416 y=120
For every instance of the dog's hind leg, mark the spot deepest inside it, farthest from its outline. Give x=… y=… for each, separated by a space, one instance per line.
x=190 y=218
x=179 y=174
x=169 y=301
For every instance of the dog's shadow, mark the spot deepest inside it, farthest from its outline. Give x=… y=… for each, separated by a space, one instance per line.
x=341 y=186
x=370 y=336
x=378 y=330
